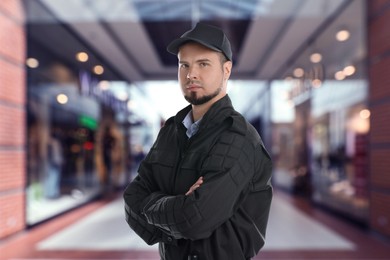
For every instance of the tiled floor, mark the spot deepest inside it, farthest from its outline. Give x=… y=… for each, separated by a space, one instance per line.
x=297 y=230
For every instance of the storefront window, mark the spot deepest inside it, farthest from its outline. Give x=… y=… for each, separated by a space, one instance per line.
x=321 y=153
x=338 y=141
x=61 y=149
x=69 y=161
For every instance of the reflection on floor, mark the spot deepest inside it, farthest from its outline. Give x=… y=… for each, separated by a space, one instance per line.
x=105 y=229
x=289 y=229
x=41 y=209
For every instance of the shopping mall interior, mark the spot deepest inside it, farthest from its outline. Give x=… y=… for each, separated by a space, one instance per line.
x=86 y=85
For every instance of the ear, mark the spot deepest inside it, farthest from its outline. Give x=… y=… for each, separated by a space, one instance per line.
x=227 y=69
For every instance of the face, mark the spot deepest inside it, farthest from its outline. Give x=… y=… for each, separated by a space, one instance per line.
x=202 y=74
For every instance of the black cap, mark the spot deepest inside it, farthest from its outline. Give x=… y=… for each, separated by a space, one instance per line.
x=210 y=36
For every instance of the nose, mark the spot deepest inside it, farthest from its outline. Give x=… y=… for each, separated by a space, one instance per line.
x=191 y=74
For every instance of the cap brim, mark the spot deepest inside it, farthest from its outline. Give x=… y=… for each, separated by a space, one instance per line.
x=175 y=45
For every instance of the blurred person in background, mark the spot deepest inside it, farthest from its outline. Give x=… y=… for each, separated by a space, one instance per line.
x=56 y=160
x=108 y=146
x=203 y=191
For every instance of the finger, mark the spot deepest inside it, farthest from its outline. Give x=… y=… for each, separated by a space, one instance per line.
x=199 y=181
x=189 y=191
x=192 y=189
x=195 y=186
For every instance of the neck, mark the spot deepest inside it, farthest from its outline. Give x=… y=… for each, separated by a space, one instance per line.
x=198 y=111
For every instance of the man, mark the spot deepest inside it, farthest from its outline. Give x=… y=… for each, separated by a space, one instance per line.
x=203 y=191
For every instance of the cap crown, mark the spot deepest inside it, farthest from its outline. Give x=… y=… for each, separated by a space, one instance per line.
x=210 y=36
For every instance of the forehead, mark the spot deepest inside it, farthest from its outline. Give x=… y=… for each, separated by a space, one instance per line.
x=193 y=49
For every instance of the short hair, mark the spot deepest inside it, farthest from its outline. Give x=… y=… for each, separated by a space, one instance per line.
x=222 y=58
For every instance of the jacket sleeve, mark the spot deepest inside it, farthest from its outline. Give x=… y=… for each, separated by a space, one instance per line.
x=134 y=197
x=228 y=173
x=250 y=221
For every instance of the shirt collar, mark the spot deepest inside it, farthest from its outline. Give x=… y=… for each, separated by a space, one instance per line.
x=192 y=127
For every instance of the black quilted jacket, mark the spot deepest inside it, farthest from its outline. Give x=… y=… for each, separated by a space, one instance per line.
x=226 y=217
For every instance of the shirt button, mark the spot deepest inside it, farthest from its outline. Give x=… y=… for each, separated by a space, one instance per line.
x=169 y=239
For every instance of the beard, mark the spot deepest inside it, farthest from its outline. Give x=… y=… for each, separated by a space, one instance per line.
x=193 y=99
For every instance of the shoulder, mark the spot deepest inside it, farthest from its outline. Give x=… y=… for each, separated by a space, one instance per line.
x=238 y=123
x=166 y=133
x=169 y=121
x=240 y=133
x=242 y=126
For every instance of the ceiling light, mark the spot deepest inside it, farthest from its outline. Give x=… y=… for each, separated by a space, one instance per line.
x=298 y=72
x=365 y=113
x=316 y=83
x=342 y=35
x=349 y=70
x=315 y=57
x=82 y=56
x=98 y=70
x=62 y=99
x=104 y=85
x=339 y=75
x=32 y=63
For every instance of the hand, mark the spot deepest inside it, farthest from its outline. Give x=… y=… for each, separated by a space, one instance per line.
x=195 y=186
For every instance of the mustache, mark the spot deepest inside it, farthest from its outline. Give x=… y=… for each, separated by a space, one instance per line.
x=193 y=82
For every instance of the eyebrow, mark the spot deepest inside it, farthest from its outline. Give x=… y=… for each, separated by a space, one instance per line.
x=203 y=60
x=200 y=60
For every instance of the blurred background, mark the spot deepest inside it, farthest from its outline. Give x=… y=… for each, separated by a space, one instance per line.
x=85 y=86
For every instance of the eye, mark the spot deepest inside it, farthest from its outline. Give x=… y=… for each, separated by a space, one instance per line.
x=183 y=65
x=203 y=64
